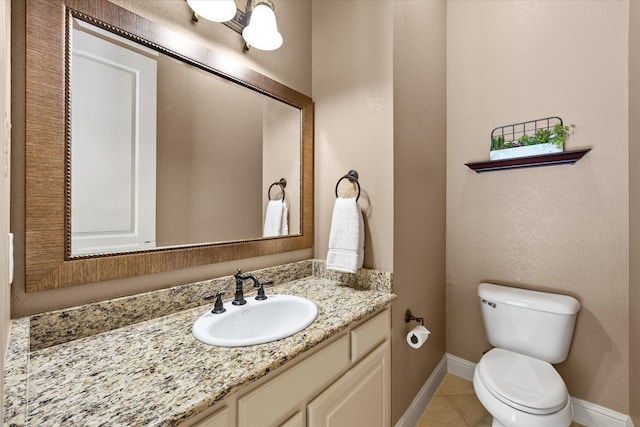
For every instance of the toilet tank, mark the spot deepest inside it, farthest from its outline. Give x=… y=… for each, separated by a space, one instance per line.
x=537 y=324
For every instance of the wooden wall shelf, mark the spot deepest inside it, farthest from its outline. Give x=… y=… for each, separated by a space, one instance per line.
x=566 y=157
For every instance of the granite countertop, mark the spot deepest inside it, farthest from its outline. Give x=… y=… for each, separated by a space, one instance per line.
x=155 y=373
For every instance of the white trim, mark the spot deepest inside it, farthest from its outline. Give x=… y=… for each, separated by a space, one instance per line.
x=592 y=415
x=585 y=413
x=460 y=367
x=419 y=404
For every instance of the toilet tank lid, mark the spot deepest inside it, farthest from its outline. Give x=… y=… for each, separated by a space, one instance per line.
x=541 y=301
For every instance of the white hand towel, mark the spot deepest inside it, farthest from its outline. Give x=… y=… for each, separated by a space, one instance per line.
x=275 y=217
x=346 y=238
x=284 y=226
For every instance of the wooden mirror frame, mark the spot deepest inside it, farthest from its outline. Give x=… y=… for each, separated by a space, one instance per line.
x=47 y=213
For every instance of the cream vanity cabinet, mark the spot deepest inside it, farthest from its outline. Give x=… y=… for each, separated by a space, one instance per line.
x=345 y=381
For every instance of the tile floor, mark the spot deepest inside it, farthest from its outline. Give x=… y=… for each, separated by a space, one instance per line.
x=456 y=405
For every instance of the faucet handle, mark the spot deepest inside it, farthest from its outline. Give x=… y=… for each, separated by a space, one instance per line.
x=267 y=283
x=218 y=306
x=261 y=296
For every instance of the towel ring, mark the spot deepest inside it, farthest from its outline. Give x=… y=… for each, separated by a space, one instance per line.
x=282 y=183
x=352 y=176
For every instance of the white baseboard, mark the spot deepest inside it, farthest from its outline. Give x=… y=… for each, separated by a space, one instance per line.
x=460 y=367
x=585 y=413
x=592 y=415
x=419 y=404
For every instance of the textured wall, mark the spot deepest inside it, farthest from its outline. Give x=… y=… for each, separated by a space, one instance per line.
x=559 y=228
x=379 y=90
x=419 y=114
x=634 y=211
x=353 y=95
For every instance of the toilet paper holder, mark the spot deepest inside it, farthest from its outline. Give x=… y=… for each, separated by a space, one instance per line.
x=408 y=317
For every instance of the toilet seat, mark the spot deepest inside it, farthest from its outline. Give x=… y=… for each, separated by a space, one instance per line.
x=522 y=382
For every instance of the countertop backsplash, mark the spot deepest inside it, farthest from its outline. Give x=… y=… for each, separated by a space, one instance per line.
x=60 y=326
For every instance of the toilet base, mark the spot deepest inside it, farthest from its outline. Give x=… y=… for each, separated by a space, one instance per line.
x=506 y=416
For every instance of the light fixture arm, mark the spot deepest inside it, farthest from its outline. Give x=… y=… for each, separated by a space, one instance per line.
x=240 y=21
x=263 y=35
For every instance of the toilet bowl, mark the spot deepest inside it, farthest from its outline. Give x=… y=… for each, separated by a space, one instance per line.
x=529 y=330
x=520 y=391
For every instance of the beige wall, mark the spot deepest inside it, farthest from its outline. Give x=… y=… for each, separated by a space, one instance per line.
x=5 y=150
x=209 y=157
x=290 y=65
x=419 y=120
x=379 y=91
x=559 y=228
x=280 y=159
x=353 y=95
x=634 y=211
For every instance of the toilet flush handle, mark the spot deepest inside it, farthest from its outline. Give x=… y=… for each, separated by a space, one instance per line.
x=489 y=303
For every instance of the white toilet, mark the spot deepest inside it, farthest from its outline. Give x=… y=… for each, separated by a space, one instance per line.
x=529 y=330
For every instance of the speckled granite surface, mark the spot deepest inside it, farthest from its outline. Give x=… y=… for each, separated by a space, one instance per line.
x=15 y=374
x=60 y=326
x=154 y=372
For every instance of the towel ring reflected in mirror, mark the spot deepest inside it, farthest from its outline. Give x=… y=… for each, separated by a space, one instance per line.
x=352 y=176
x=282 y=183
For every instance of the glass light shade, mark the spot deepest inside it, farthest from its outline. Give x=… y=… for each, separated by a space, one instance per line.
x=214 y=10
x=262 y=31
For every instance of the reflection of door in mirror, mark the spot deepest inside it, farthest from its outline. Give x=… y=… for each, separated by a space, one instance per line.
x=113 y=145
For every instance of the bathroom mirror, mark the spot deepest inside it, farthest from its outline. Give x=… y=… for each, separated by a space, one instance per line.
x=263 y=132
x=166 y=154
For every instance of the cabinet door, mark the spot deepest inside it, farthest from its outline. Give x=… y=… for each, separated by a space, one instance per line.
x=281 y=395
x=296 y=421
x=220 y=418
x=358 y=398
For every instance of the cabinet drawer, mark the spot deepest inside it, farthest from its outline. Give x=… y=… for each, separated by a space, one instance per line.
x=366 y=337
x=267 y=404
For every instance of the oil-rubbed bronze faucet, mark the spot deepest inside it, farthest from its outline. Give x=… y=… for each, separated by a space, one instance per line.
x=240 y=278
x=218 y=308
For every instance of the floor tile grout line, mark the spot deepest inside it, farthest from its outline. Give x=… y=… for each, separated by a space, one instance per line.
x=454 y=406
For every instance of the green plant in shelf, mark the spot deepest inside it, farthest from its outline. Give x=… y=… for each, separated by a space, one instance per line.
x=525 y=140
x=542 y=136
x=557 y=136
x=497 y=143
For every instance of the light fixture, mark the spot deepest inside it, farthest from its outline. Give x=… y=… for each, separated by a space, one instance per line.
x=257 y=24
x=262 y=31
x=214 y=10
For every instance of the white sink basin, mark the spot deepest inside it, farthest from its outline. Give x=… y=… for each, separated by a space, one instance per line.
x=256 y=322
